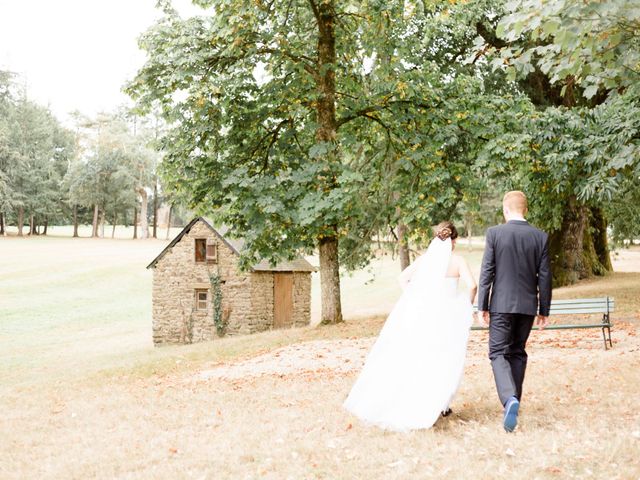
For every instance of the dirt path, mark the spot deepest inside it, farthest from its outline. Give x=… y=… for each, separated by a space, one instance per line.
x=336 y=355
x=348 y=355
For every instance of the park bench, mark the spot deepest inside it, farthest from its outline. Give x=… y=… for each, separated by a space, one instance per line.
x=579 y=306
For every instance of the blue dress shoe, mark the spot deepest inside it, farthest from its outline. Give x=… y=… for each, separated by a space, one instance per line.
x=511 y=414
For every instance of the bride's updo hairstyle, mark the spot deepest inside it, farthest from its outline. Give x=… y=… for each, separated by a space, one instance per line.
x=446 y=230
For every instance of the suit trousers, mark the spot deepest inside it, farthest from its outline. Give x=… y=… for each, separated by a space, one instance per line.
x=508 y=334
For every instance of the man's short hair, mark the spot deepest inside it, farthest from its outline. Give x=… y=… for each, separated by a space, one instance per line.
x=515 y=201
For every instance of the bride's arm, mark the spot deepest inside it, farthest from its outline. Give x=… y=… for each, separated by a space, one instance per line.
x=406 y=275
x=467 y=277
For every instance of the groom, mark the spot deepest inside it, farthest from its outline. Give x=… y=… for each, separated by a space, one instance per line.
x=515 y=285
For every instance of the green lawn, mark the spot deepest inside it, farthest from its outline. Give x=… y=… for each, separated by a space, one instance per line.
x=72 y=306
x=69 y=304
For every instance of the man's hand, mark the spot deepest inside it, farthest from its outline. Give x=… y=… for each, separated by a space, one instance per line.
x=484 y=316
x=542 y=321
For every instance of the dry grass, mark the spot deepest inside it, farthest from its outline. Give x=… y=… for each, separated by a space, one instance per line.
x=580 y=420
x=84 y=395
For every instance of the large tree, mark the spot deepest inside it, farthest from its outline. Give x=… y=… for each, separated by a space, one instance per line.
x=34 y=153
x=114 y=168
x=283 y=114
x=573 y=60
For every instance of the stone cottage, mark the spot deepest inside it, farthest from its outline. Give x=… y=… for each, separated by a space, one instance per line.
x=199 y=290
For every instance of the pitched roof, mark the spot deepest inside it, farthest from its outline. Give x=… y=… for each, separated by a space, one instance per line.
x=236 y=245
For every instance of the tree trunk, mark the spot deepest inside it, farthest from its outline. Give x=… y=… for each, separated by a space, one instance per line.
x=75 y=221
x=600 y=240
x=45 y=226
x=144 y=225
x=330 y=281
x=155 y=209
x=94 y=225
x=326 y=132
x=579 y=249
x=20 y=220
x=403 y=246
x=102 y=220
x=566 y=244
x=32 y=225
x=169 y=221
x=113 y=230
x=2 y=231
x=135 y=222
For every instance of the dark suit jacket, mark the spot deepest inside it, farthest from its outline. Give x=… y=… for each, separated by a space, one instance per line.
x=515 y=275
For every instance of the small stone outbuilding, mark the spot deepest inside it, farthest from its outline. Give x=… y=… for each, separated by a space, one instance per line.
x=196 y=281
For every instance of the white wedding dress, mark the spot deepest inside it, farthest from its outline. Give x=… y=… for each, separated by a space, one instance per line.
x=414 y=368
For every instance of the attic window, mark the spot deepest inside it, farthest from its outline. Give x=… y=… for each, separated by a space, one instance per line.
x=201 y=299
x=201 y=250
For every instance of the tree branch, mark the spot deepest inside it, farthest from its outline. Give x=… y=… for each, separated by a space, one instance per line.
x=296 y=58
x=314 y=8
x=490 y=36
x=360 y=113
x=274 y=136
x=376 y=108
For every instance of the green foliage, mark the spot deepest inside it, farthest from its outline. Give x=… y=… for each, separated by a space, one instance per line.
x=594 y=44
x=583 y=56
x=34 y=153
x=241 y=90
x=112 y=166
x=562 y=153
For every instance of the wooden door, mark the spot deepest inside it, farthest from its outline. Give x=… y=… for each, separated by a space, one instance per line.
x=282 y=300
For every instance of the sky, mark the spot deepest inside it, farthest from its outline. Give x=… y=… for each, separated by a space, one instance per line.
x=76 y=54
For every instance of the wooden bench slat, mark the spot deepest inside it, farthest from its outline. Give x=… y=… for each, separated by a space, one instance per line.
x=569 y=306
x=582 y=300
x=559 y=327
x=581 y=305
x=572 y=311
x=577 y=310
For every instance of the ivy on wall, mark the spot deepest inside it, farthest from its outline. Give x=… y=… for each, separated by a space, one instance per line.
x=216 y=301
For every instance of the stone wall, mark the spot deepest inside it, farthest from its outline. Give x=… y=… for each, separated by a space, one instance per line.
x=176 y=276
x=301 y=298
x=262 y=302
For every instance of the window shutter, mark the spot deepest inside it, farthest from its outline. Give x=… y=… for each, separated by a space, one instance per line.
x=212 y=252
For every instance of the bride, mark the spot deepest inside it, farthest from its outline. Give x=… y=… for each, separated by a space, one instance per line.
x=414 y=368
